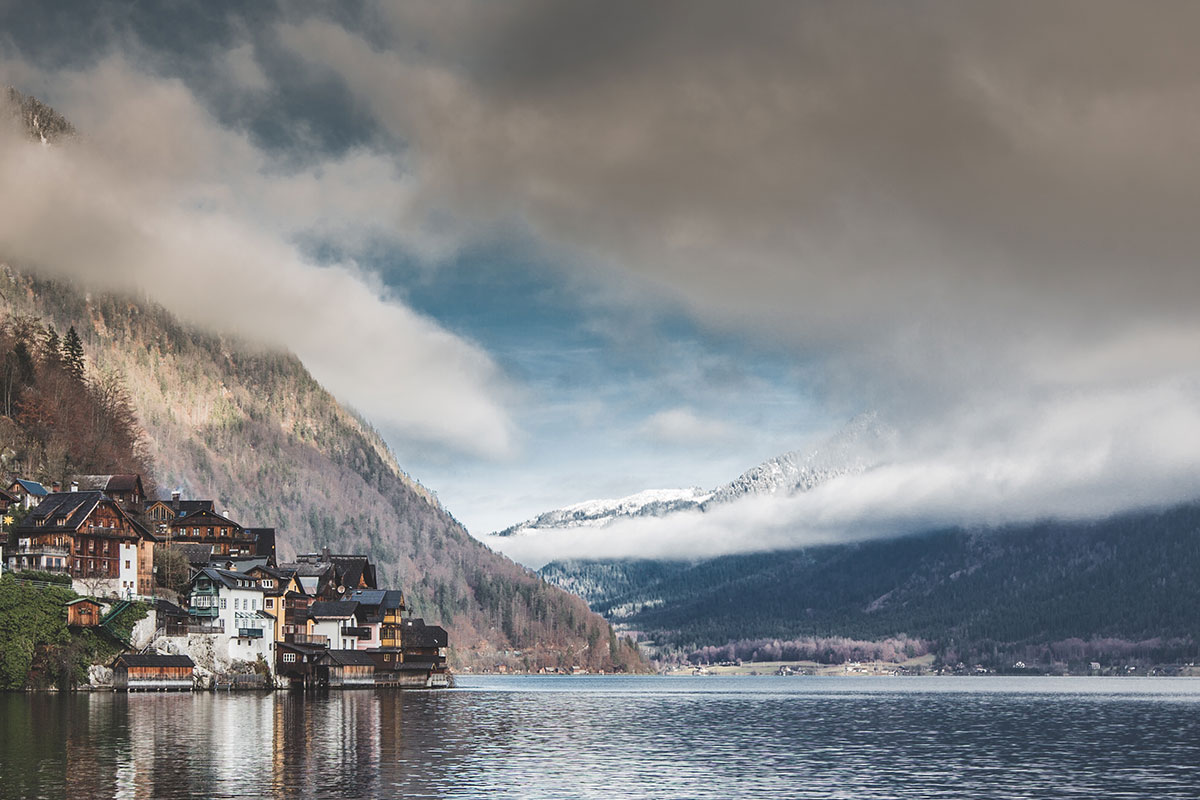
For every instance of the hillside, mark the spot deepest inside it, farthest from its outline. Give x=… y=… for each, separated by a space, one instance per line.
x=1097 y=590
x=251 y=429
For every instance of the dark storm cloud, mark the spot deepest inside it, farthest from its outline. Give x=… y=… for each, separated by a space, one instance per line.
x=978 y=218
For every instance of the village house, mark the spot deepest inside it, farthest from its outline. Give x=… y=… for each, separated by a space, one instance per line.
x=231 y=604
x=227 y=537
x=380 y=615
x=27 y=493
x=276 y=584
x=160 y=512
x=126 y=489
x=88 y=536
x=337 y=620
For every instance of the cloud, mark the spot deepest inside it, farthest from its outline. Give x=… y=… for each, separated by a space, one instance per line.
x=976 y=221
x=1050 y=465
x=682 y=426
x=973 y=221
x=157 y=196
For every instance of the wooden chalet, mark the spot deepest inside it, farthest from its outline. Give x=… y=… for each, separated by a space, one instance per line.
x=227 y=537
x=84 y=612
x=151 y=672
x=160 y=512
x=125 y=488
x=345 y=669
x=89 y=536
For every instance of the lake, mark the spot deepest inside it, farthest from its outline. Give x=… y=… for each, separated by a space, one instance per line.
x=617 y=737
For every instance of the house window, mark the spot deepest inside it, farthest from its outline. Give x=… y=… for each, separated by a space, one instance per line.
x=210 y=533
x=289 y=658
x=222 y=603
x=254 y=604
x=270 y=603
x=126 y=563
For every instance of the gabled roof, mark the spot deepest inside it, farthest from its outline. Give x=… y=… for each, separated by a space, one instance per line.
x=373 y=603
x=197 y=553
x=332 y=609
x=347 y=658
x=64 y=511
x=415 y=633
x=243 y=563
x=202 y=517
x=352 y=570
x=182 y=508
x=152 y=660
x=31 y=487
x=122 y=482
x=232 y=580
x=84 y=600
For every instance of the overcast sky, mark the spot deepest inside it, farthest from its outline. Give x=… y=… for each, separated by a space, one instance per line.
x=564 y=251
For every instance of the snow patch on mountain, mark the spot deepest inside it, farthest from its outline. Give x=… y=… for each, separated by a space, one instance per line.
x=597 y=513
x=863 y=443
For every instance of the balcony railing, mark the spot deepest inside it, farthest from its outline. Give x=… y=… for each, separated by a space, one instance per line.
x=306 y=638
x=360 y=632
x=184 y=630
x=250 y=633
x=37 y=549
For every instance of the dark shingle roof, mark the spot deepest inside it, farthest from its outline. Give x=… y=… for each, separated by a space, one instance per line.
x=196 y=517
x=197 y=553
x=227 y=577
x=153 y=660
x=350 y=658
x=190 y=506
x=62 y=511
x=415 y=633
x=336 y=609
x=122 y=482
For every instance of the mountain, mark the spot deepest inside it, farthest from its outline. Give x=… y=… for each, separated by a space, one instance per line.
x=38 y=120
x=1051 y=592
x=598 y=513
x=251 y=429
x=861 y=444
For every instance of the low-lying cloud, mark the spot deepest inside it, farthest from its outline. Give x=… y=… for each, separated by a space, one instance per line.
x=155 y=196
x=974 y=473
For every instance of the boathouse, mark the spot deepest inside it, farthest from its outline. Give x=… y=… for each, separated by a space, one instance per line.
x=152 y=672
x=346 y=669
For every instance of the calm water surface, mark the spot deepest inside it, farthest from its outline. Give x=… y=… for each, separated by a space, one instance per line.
x=615 y=737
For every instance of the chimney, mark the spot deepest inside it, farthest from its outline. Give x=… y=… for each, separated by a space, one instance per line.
x=325 y=554
x=175 y=495
x=74 y=486
x=56 y=487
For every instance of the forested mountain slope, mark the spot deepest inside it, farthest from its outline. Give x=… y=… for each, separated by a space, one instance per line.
x=1105 y=588
x=252 y=430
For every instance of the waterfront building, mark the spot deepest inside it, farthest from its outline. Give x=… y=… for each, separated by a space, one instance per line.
x=88 y=536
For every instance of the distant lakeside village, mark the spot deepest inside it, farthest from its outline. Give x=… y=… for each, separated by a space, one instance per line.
x=178 y=596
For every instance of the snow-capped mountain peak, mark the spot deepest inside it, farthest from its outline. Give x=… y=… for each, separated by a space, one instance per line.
x=597 y=513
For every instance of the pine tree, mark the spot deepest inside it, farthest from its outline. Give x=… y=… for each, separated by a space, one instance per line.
x=52 y=345
x=72 y=353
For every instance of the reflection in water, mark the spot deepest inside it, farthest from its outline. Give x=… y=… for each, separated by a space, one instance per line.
x=606 y=737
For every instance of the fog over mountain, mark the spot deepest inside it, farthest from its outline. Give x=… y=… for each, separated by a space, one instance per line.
x=568 y=251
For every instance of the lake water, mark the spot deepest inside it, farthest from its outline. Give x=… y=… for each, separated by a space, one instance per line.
x=617 y=737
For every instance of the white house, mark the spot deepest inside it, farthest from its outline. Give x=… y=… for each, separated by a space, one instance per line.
x=233 y=604
x=338 y=621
